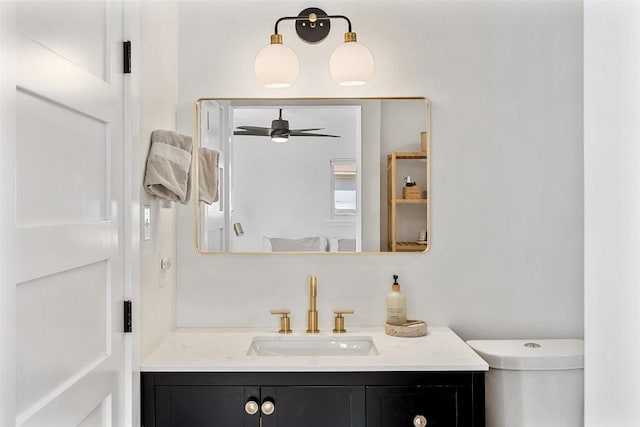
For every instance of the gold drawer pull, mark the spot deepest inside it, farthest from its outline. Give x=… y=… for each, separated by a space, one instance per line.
x=251 y=407
x=419 y=421
x=268 y=407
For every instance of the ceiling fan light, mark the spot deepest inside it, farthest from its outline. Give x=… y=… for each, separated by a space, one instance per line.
x=279 y=138
x=276 y=65
x=351 y=64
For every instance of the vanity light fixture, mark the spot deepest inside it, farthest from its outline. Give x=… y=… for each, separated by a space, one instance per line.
x=351 y=64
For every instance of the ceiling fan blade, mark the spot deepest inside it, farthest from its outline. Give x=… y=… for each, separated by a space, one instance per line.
x=255 y=130
x=313 y=134
x=279 y=128
x=246 y=133
x=305 y=130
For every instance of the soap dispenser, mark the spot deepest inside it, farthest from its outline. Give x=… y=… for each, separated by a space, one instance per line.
x=396 y=309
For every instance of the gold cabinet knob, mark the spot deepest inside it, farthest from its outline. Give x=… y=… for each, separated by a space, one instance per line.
x=268 y=407
x=251 y=407
x=419 y=421
x=285 y=320
x=339 y=320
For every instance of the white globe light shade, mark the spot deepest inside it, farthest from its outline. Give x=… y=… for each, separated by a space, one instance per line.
x=276 y=66
x=351 y=64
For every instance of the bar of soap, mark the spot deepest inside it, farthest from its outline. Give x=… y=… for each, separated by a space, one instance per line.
x=411 y=328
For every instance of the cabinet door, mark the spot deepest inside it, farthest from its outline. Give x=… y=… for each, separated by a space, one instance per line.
x=399 y=406
x=312 y=406
x=205 y=406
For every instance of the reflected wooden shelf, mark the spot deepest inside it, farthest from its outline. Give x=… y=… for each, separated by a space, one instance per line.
x=409 y=247
x=393 y=201
x=408 y=155
x=409 y=201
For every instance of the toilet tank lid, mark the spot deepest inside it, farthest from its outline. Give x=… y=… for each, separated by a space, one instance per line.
x=532 y=354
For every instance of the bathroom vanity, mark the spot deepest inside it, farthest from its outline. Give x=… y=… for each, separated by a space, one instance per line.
x=221 y=378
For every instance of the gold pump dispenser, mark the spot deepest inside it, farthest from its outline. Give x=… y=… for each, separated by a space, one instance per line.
x=312 y=313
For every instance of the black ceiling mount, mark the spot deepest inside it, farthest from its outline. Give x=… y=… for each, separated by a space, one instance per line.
x=313 y=25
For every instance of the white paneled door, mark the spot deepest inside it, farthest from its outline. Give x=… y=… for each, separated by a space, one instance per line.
x=63 y=215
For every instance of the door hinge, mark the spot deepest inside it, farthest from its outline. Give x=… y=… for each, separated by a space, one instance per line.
x=127 y=317
x=127 y=57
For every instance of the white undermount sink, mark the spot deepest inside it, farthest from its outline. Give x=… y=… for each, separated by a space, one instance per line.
x=312 y=346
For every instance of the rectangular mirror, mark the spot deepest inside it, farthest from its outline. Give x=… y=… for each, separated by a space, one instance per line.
x=312 y=175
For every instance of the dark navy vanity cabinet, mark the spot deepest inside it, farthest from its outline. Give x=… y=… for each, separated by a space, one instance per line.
x=313 y=399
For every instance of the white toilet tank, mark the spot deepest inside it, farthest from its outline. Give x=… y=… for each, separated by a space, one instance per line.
x=533 y=382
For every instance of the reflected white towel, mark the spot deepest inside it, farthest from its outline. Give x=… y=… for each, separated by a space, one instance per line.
x=168 y=166
x=208 y=174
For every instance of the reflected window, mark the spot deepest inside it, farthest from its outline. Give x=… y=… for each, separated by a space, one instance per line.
x=343 y=189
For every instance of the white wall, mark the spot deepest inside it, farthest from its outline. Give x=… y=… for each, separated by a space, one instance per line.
x=612 y=209
x=157 y=70
x=505 y=81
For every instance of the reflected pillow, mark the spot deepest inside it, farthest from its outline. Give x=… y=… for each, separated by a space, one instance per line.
x=346 y=245
x=337 y=244
x=304 y=244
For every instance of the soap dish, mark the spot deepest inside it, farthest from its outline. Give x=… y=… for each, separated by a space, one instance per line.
x=411 y=328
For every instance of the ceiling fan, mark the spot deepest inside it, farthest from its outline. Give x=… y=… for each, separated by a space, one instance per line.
x=279 y=130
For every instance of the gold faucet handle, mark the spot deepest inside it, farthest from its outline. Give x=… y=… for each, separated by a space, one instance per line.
x=285 y=320
x=339 y=320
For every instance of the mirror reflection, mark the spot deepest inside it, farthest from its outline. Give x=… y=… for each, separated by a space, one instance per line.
x=312 y=175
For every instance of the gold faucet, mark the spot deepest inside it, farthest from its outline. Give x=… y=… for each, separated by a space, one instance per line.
x=312 y=313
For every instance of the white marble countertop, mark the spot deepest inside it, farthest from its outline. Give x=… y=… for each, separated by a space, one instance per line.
x=225 y=350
